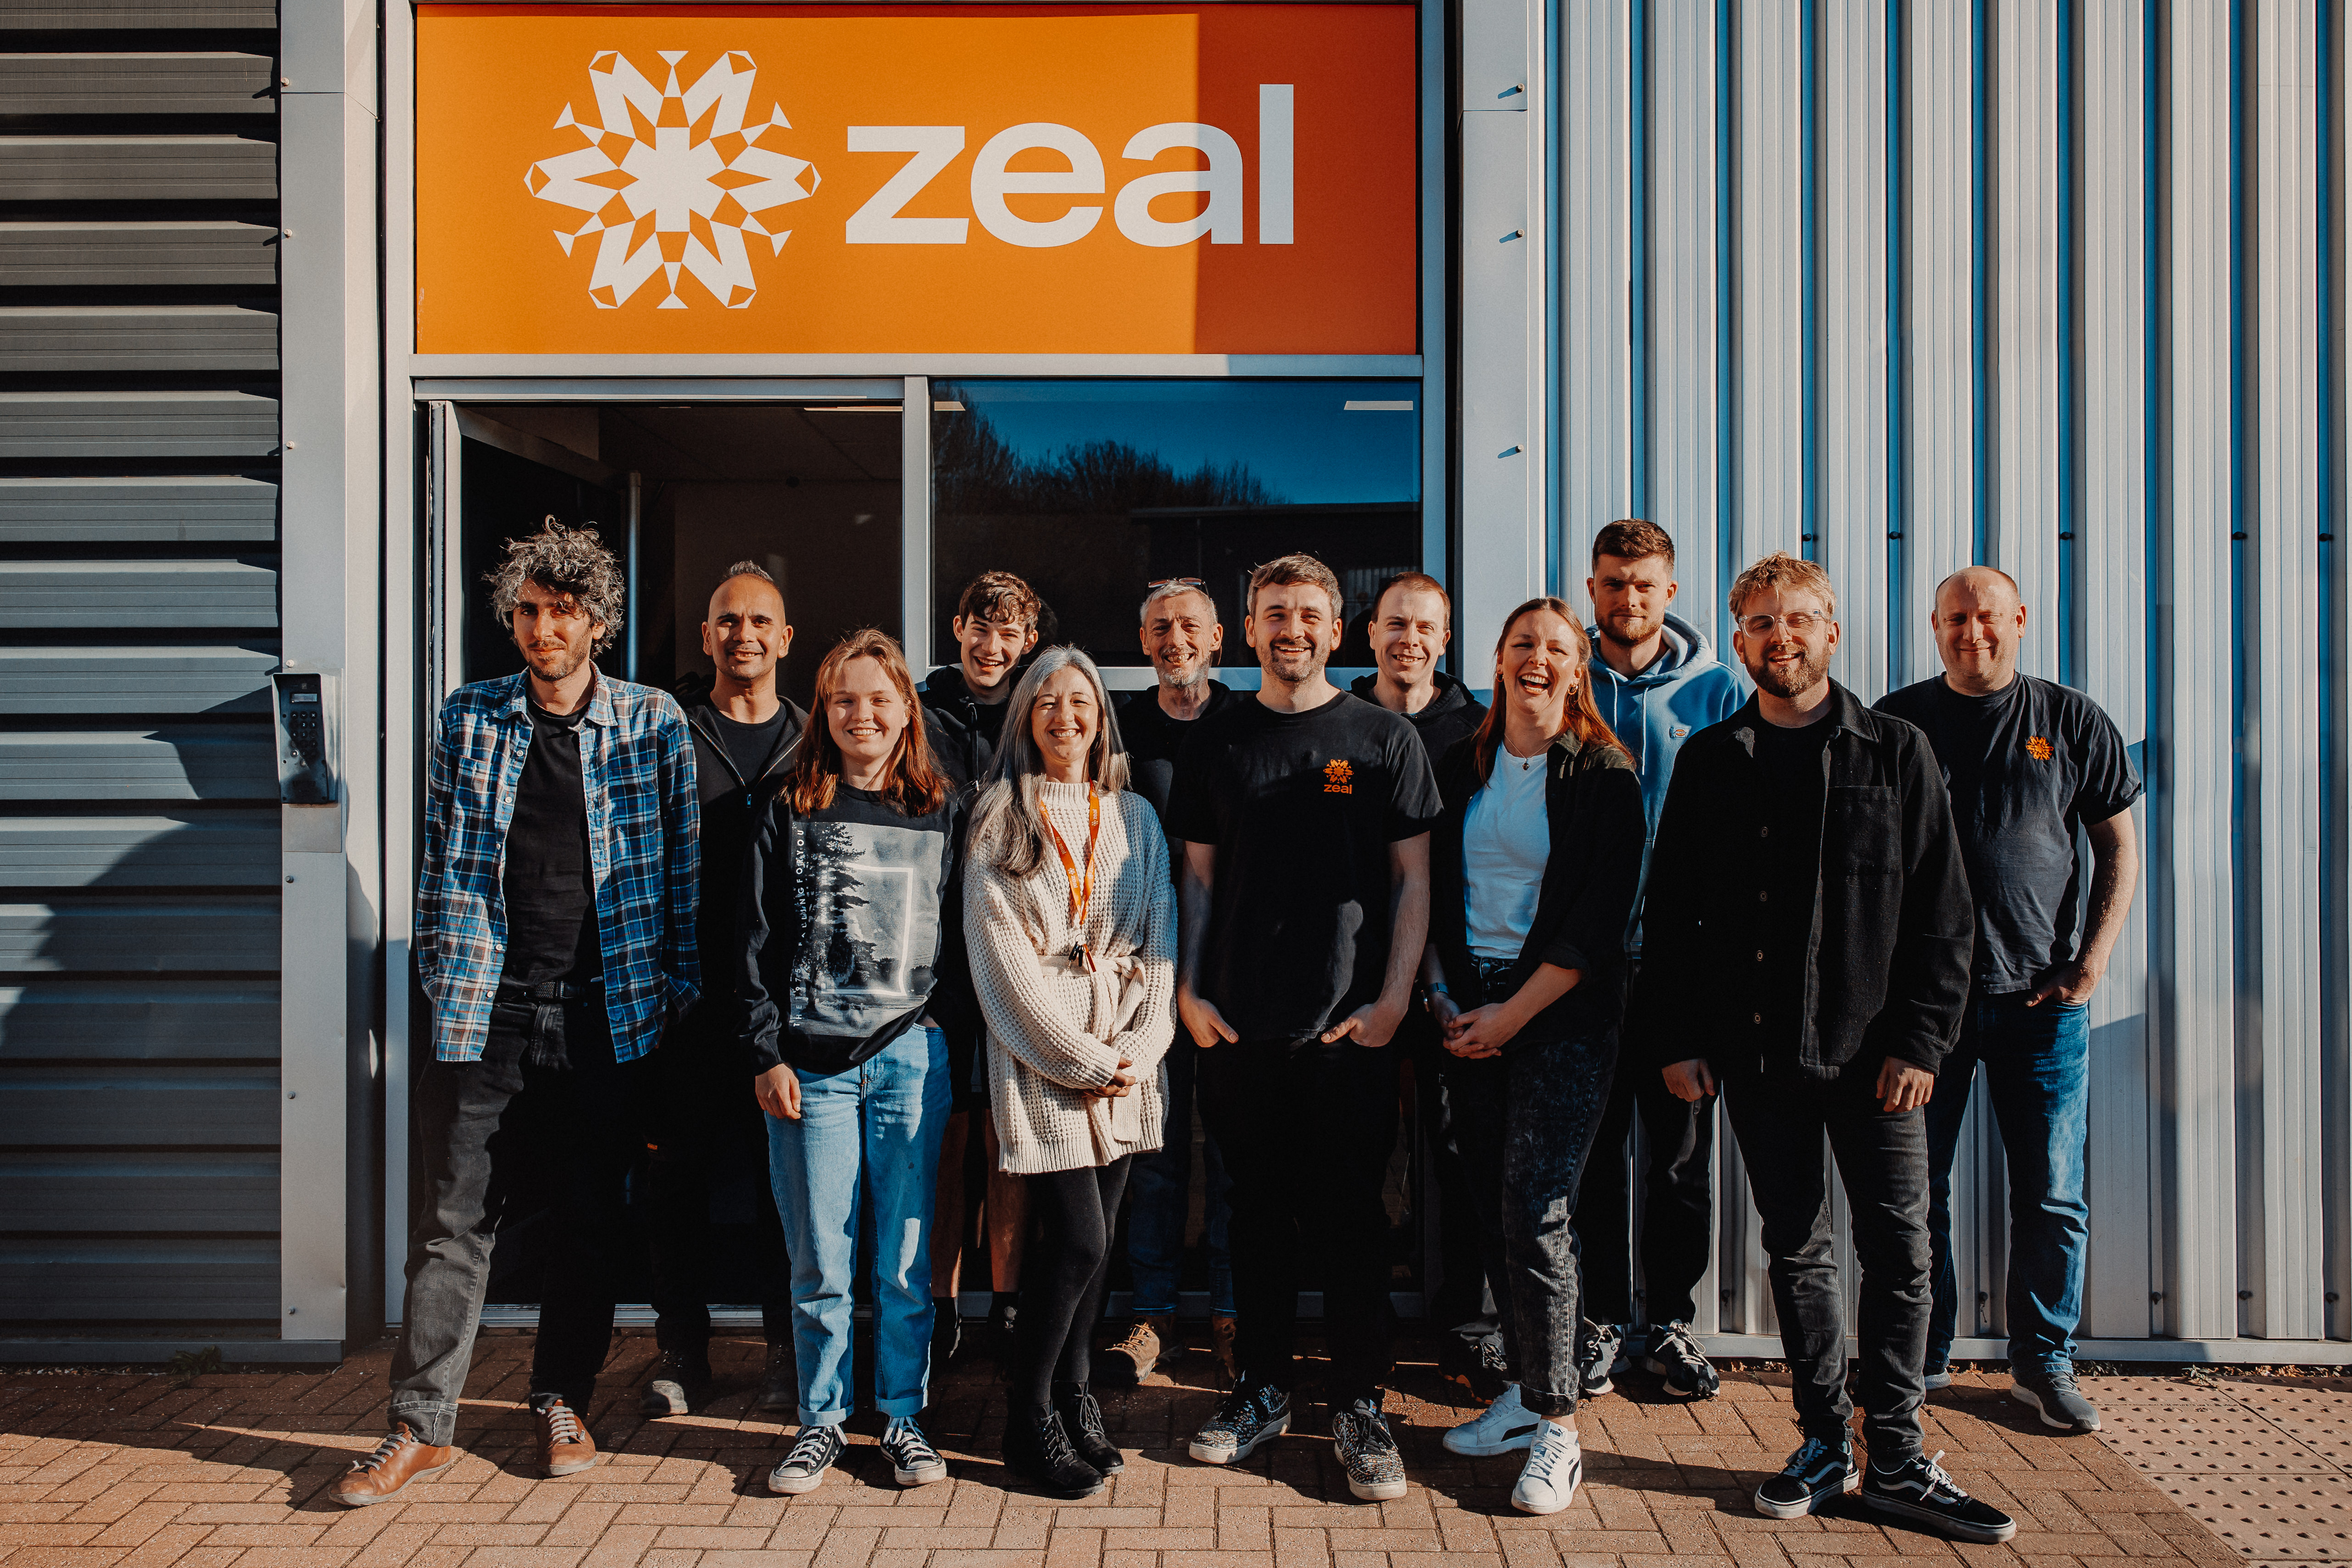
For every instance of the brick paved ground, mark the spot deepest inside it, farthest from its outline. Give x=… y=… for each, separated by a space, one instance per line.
x=97 y=1470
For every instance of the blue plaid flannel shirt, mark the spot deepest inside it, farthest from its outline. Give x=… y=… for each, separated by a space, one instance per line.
x=636 y=762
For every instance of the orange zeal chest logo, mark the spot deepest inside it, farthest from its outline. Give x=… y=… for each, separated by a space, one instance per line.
x=2038 y=748
x=1338 y=777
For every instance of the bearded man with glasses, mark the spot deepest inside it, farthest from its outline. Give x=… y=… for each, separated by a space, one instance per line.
x=1806 y=941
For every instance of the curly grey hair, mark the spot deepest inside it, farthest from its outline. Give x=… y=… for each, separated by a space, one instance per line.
x=570 y=561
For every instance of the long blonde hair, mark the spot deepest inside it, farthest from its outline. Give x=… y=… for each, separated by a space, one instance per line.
x=1008 y=827
x=915 y=786
x=1581 y=712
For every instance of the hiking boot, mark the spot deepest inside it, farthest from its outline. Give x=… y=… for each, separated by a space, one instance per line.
x=1038 y=1450
x=813 y=1453
x=565 y=1446
x=1139 y=1348
x=913 y=1461
x=1555 y=1467
x=1674 y=1354
x=1815 y=1473
x=780 y=1382
x=1223 y=1329
x=1368 y=1450
x=384 y=1474
x=677 y=1384
x=1082 y=1423
x=1918 y=1488
x=1253 y=1412
x=2052 y=1393
x=1596 y=1349
x=1502 y=1426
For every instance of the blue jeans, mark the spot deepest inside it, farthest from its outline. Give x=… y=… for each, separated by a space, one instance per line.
x=867 y=1144
x=1163 y=1184
x=2037 y=1063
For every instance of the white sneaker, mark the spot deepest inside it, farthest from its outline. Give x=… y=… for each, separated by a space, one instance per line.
x=1502 y=1426
x=1554 y=1470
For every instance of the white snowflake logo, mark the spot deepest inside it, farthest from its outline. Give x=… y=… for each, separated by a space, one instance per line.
x=672 y=180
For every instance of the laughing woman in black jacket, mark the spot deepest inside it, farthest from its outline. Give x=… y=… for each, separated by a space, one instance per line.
x=1533 y=872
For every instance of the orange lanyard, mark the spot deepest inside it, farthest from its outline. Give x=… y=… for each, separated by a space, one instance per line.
x=1082 y=883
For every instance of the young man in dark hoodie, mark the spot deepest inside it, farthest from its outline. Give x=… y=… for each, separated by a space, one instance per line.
x=1411 y=623
x=996 y=628
x=709 y=1133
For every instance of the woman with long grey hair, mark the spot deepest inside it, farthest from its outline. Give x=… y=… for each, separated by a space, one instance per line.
x=1070 y=921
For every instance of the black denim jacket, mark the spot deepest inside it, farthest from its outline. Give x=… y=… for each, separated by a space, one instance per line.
x=1892 y=926
x=1592 y=799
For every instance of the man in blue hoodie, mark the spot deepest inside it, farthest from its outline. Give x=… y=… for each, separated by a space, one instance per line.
x=1657 y=681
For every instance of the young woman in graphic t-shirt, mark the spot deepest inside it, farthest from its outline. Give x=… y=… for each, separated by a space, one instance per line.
x=852 y=912
x=1072 y=919
x=1534 y=867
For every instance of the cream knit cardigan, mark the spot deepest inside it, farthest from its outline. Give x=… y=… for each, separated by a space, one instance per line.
x=1053 y=1030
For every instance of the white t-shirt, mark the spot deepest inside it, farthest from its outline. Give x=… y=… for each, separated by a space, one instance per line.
x=1506 y=841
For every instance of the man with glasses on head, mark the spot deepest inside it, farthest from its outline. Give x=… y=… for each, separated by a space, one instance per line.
x=2029 y=762
x=1183 y=638
x=1805 y=944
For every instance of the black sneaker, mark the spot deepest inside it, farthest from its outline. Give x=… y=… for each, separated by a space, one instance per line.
x=1081 y=1415
x=677 y=1384
x=1919 y=1490
x=1367 y=1450
x=1596 y=1358
x=2053 y=1394
x=913 y=1461
x=803 y=1470
x=1674 y=1354
x=1253 y=1412
x=1814 y=1474
x=1038 y=1449
x=779 y=1380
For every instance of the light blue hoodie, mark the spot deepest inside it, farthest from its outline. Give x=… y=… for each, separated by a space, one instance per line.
x=1683 y=690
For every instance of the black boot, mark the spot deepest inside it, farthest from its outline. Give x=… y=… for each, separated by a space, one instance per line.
x=1038 y=1451
x=1082 y=1421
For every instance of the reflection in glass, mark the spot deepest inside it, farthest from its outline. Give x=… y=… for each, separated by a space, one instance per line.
x=1092 y=488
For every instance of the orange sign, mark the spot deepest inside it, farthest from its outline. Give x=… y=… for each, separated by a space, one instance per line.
x=957 y=179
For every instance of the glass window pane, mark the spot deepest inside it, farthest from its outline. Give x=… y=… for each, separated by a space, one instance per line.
x=1091 y=489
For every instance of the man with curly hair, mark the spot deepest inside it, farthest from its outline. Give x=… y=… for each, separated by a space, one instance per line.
x=555 y=938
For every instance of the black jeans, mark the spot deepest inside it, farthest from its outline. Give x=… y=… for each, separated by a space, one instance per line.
x=1883 y=1159
x=1063 y=1278
x=1460 y=1303
x=501 y=1142
x=1527 y=1121
x=1677 y=1231
x=711 y=1140
x=1307 y=1130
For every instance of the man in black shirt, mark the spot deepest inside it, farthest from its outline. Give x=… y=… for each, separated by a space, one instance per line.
x=1181 y=637
x=1805 y=940
x=711 y=1141
x=2029 y=762
x=1411 y=623
x=1306 y=818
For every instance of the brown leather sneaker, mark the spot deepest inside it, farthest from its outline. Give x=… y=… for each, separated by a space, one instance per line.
x=1222 y=1330
x=565 y=1446
x=383 y=1474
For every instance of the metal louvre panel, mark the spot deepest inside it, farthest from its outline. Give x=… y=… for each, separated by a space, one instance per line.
x=136 y=680
x=199 y=253
x=209 y=762
x=207 y=849
x=82 y=338
x=1686 y=401
x=206 y=84
x=90 y=426
x=1768 y=466
x=1592 y=478
x=195 y=509
x=138 y=169
x=130 y=935
x=77 y=16
x=2021 y=528
x=184 y=1190
x=133 y=1103
x=86 y=1283
x=64 y=594
x=153 y=1020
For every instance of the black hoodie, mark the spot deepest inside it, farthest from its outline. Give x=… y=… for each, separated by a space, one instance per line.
x=962 y=729
x=1448 y=719
x=730 y=809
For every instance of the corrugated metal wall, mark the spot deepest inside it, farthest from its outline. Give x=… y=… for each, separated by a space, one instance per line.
x=139 y=836
x=2056 y=285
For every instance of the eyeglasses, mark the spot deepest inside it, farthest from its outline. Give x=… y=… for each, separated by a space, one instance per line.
x=1798 y=621
x=1174 y=583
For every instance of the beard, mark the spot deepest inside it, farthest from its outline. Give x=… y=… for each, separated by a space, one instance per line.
x=1627 y=636
x=1189 y=674
x=1810 y=671
x=556 y=664
x=1294 y=667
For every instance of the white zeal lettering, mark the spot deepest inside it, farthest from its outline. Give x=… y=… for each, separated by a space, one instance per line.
x=877 y=222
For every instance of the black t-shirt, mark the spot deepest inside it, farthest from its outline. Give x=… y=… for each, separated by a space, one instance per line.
x=1791 y=786
x=749 y=746
x=2026 y=767
x=1302 y=808
x=1154 y=739
x=549 y=895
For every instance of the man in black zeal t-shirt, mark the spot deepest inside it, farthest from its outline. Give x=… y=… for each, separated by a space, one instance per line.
x=2027 y=762
x=1306 y=818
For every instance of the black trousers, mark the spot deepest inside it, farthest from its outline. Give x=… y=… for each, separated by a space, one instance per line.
x=1677 y=1233
x=1781 y=1121
x=1307 y=1129
x=711 y=1140
x=502 y=1143
x=1460 y=1304
x=1064 y=1275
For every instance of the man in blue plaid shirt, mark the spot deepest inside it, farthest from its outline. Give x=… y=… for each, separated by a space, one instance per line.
x=555 y=937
